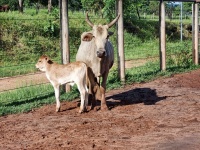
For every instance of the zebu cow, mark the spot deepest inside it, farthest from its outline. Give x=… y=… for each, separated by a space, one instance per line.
x=97 y=52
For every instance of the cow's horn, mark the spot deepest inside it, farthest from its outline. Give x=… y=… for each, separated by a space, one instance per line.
x=113 y=22
x=88 y=20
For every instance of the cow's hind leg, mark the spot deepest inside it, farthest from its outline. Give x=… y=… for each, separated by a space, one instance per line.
x=92 y=100
x=93 y=87
x=103 y=91
x=91 y=95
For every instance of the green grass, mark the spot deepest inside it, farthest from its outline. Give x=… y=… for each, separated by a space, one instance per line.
x=27 y=98
x=151 y=71
x=17 y=70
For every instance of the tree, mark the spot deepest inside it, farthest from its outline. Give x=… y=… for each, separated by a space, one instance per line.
x=95 y=5
x=153 y=7
x=75 y=5
x=131 y=9
x=49 y=6
x=21 y=2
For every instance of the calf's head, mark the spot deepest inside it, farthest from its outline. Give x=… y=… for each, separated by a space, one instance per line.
x=42 y=63
x=100 y=34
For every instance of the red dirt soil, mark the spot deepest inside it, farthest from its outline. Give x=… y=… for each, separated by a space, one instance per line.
x=160 y=115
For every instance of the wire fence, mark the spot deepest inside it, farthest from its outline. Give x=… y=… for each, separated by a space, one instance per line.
x=26 y=39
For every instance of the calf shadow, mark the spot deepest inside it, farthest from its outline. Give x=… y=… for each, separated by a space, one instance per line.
x=138 y=95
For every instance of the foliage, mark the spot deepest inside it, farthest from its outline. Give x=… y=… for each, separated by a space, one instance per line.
x=109 y=9
x=182 y=57
x=153 y=7
x=74 y=5
x=95 y=6
x=132 y=9
x=28 y=36
x=12 y=3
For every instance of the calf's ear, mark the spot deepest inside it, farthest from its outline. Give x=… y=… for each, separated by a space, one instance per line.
x=45 y=57
x=48 y=60
x=87 y=37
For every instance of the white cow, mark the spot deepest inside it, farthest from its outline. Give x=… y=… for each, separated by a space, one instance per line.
x=97 y=52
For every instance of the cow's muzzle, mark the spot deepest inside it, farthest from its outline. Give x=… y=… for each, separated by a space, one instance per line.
x=101 y=53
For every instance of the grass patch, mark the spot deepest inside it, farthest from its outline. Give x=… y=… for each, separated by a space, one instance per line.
x=151 y=71
x=27 y=98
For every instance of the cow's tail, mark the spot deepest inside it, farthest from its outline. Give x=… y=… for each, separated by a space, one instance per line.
x=91 y=81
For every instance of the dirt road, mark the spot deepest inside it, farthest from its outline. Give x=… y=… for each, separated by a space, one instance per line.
x=159 y=115
x=12 y=83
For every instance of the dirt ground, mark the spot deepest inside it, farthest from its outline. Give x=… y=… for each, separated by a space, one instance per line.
x=160 y=115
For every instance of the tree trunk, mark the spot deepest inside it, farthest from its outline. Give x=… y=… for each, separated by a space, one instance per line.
x=138 y=13
x=37 y=7
x=49 y=6
x=21 y=6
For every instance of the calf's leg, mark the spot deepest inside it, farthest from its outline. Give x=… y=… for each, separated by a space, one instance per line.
x=57 y=95
x=84 y=97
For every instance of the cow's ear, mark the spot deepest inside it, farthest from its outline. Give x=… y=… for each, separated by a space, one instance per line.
x=110 y=33
x=87 y=37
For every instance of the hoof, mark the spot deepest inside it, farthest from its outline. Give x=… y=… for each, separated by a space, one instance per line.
x=82 y=110
x=94 y=108
x=104 y=108
x=57 y=109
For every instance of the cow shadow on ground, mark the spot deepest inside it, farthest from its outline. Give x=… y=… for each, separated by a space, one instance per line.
x=134 y=96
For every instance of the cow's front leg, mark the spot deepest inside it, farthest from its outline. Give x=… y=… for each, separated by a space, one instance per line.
x=92 y=91
x=57 y=95
x=103 y=92
x=103 y=99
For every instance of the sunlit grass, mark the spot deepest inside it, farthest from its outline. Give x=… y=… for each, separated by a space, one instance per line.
x=27 y=98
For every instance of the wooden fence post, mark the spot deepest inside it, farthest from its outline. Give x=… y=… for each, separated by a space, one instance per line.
x=162 y=43
x=65 y=54
x=120 y=31
x=195 y=33
x=193 y=38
